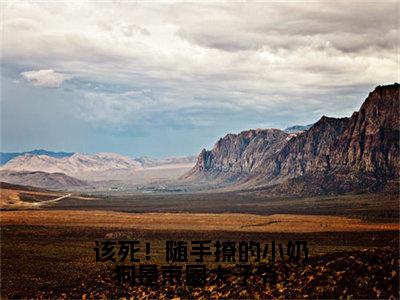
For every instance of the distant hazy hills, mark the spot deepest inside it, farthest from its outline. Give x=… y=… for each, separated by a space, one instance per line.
x=55 y=170
x=5 y=157
x=53 y=181
x=76 y=165
x=332 y=156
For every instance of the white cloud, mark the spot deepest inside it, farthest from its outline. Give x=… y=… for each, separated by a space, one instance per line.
x=261 y=55
x=114 y=108
x=45 y=78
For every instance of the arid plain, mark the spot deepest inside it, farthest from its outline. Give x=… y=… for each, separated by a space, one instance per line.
x=48 y=237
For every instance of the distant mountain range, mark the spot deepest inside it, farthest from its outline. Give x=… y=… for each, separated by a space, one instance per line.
x=5 y=157
x=55 y=181
x=81 y=169
x=334 y=155
x=77 y=165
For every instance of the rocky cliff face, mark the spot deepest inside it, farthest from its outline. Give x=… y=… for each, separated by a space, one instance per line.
x=337 y=154
x=236 y=156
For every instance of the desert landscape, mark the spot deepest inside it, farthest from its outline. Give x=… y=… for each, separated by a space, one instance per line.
x=341 y=201
x=47 y=246
x=199 y=149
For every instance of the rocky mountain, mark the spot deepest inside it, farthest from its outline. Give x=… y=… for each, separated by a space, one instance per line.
x=7 y=156
x=334 y=155
x=236 y=156
x=100 y=166
x=45 y=180
x=78 y=165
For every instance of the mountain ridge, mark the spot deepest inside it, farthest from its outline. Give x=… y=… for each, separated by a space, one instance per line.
x=51 y=181
x=355 y=151
x=99 y=166
x=7 y=156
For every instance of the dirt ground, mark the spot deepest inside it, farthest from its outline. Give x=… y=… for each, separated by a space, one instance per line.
x=48 y=252
x=186 y=221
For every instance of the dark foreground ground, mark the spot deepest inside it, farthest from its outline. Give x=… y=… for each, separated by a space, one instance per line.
x=379 y=206
x=52 y=262
x=55 y=260
x=357 y=274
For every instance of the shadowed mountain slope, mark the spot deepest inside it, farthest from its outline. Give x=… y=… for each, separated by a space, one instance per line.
x=335 y=154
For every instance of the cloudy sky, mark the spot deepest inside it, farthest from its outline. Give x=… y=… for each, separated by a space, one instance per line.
x=164 y=78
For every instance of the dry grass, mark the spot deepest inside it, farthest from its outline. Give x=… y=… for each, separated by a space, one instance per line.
x=26 y=199
x=48 y=252
x=12 y=198
x=196 y=221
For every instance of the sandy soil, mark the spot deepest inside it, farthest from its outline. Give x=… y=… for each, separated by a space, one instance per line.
x=196 y=221
x=11 y=198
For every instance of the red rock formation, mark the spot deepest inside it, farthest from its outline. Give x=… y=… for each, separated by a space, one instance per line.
x=341 y=154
